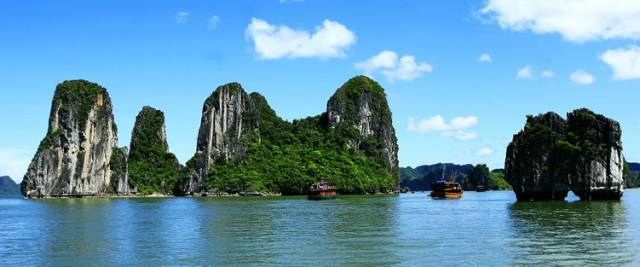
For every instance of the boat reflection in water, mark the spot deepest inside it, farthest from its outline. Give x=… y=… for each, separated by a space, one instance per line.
x=322 y=190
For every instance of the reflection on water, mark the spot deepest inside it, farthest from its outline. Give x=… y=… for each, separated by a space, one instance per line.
x=570 y=234
x=409 y=230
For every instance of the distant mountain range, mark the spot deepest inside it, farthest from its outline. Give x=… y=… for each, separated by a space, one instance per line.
x=420 y=178
x=633 y=177
x=8 y=187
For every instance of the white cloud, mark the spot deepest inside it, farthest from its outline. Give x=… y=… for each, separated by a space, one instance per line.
x=624 y=62
x=485 y=58
x=461 y=135
x=575 y=20
x=330 y=40
x=457 y=127
x=385 y=60
x=484 y=152
x=525 y=72
x=548 y=74
x=14 y=163
x=181 y=17
x=387 y=63
x=213 y=22
x=581 y=77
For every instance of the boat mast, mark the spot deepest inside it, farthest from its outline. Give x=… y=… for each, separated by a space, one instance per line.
x=444 y=167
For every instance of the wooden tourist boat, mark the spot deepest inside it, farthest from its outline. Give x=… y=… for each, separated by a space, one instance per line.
x=446 y=190
x=322 y=190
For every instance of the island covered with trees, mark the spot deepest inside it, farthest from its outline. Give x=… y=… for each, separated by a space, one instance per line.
x=243 y=146
x=469 y=176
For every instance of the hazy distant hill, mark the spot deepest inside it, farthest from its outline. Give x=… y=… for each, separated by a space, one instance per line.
x=8 y=187
x=633 y=177
x=420 y=178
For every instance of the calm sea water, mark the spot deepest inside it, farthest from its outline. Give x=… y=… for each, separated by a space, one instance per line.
x=409 y=230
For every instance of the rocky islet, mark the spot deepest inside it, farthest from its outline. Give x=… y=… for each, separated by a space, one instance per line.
x=79 y=155
x=552 y=156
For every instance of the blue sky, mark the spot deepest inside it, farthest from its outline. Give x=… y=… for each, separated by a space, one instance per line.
x=449 y=102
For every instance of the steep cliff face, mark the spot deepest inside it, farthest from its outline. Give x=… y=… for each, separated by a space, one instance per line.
x=228 y=116
x=74 y=157
x=530 y=166
x=361 y=104
x=599 y=162
x=120 y=184
x=552 y=156
x=152 y=169
x=244 y=145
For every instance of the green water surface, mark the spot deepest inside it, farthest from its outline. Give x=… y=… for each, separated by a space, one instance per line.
x=481 y=229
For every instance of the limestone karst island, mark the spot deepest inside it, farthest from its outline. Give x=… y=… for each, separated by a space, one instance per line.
x=243 y=147
x=320 y=133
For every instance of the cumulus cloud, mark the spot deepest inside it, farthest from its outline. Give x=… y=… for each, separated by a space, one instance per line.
x=484 y=152
x=14 y=163
x=548 y=74
x=528 y=73
x=485 y=58
x=181 y=17
x=456 y=127
x=213 y=22
x=330 y=40
x=394 y=68
x=525 y=72
x=624 y=62
x=575 y=20
x=581 y=77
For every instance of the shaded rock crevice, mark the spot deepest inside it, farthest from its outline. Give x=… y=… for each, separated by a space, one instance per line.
x=228 y=118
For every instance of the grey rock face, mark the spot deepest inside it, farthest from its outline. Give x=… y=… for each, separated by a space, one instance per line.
x=552 y=156
x=120 y=173
x=361 y=103
x=74 y=158
x=227 y=115
x=530 y=166
x=599 y=168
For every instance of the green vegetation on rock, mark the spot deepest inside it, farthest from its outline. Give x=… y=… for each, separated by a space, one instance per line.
x=552 y=156
x=479 y=176
x=152 y=169
x=287 y=157
x=50 y=139
x=79 y=97
x=497 y=182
